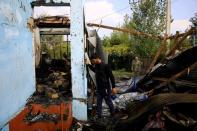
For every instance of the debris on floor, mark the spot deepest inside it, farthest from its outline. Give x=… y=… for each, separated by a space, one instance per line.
x=43 y=117
x=31 y=118
x=53 y=84
x=164 y=99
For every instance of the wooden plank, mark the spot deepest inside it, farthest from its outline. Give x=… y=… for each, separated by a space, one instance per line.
x=176 y=76
x=178 y=43
x=181 y=35
x=179 y=82
x=133 y=32
x=35 y=3
x=162 y=47
x=137 y=110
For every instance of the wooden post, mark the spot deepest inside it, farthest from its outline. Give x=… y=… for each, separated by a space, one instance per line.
x=179 y=42
x=162 y=47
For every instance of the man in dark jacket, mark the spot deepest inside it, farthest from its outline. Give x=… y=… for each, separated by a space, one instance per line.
x=103 y=78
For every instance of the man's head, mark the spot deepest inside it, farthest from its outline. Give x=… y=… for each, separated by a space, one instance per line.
x=95 y=59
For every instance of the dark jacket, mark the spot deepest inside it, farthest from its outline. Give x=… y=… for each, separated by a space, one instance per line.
x=103 y=78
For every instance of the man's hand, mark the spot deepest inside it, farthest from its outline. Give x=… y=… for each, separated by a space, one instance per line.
x=114 y=91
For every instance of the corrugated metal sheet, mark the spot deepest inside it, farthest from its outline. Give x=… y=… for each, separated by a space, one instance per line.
x=17 y=77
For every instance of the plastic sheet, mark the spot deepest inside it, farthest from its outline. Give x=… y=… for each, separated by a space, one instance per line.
x=122 y=101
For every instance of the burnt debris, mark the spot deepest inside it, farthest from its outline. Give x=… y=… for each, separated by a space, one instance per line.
x=53 y=83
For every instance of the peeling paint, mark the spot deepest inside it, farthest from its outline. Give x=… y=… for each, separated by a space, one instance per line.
x=22 y=6
x=17 y=65
x=30 y=24
x=11 y=12
x=79 y=85
x=8 y=14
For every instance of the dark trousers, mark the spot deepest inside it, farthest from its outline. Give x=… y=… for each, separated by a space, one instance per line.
x=107 y=98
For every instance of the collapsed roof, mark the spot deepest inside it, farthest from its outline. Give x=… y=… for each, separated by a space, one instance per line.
x=53 y=21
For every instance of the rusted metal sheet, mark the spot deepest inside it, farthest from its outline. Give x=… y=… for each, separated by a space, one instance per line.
x=17 y=71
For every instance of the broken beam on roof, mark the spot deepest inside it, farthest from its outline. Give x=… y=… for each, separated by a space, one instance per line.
x=177 y=35
x=162 y=47
x=179 y=42
x=180 y=119
x=43 y=3
x=138 y=109
x=54 y=31
x=53 y=21
x=194 y=31
x=176 y=76
x=178 y=82
x=133 y=32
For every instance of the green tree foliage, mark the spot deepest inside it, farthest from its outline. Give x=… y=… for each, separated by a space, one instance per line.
x=194 y=20
x=193 y=38
x=119 y=43
x=118 y=46
x=55 y=46
x=149 y=17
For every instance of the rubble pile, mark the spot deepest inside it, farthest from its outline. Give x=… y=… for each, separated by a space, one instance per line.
x=53 y=87
x=53 y=83
x=173 y=102
x=177 y=74
x=165 y=99
x=42 y=117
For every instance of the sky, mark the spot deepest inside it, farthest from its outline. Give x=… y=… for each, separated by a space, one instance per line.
x=107 y=12
x=112 y=12
x=181 y=12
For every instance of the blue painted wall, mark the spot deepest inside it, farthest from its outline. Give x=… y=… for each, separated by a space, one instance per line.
x=17 y=75
x=78 y=68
